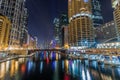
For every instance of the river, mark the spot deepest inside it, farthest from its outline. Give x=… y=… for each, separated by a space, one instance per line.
x=40 y=67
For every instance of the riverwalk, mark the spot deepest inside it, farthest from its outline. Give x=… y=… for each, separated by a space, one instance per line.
x=15 y=57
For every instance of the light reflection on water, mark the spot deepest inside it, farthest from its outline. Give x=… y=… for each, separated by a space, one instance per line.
x=2 y=70
x=53 y=68
x=56 y=71
x=41 y=67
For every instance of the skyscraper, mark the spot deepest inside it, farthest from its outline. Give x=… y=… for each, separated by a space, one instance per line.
x=5 y=26
x=116 y=13
x=13 y=9
x=59 y=23
x=63 y=19
x=80 y=23
x=106 y=33
x=97 y=13
x=57 y=32
x=24 y=28
x=65 y=36
x=64 y=29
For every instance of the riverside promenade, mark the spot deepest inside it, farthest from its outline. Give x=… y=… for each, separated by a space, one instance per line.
x=7 y=58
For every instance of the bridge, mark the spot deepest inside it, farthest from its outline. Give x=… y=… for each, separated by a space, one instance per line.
x=28 y=51
x=104 y=51
x=108 y=40
x=107 y=55
x=46 y=49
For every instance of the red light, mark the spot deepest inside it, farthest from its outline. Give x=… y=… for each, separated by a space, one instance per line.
x=23 y=68
x=66 y=77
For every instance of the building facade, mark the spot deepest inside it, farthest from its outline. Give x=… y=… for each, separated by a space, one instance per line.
x=36 y=42
x=32 y=42
x=81 y=31
x=5 y=26
x=97 y=13
x=24 y=28
x=13 y=9
x=106 y=33
x=116 y=13
x=57 y=32
x=64 y=29
x=65 y=36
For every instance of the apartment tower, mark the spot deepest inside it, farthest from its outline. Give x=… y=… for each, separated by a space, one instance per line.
x=80 y=23
x=14 y=10
x=116 y=13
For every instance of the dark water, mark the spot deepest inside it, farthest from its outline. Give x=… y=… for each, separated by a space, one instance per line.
x=59 y=69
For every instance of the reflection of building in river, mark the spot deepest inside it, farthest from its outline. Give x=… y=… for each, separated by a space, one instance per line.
x=41 y=67
x=14 y=67
x=56 y=71
x=9 y=69
x=2 y=71
x=57 y=56
x=23 y=68
x=4 y=68
x=101 y=75
x=7 y=66
x=21 y=60
x=66 y=65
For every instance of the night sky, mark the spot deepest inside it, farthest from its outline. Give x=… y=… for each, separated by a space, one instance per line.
x=42 y=13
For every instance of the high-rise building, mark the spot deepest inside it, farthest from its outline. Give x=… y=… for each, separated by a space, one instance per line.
x=36 y=42
x=63 y=19
x=5 y=26
x=116 y=13
x=64 y=29
x=14 y=9
x=32 y=42
x=106 y=33
x=65 y=36
x=57 y=32
x=24 y=28
x=81 y=31
x=97 y=13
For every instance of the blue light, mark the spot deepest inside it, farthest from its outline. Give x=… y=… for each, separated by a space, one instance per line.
x=41 y=67
x=86 y=42
x=42 y=55
x=62 y=64
x=30 y=65
x=53 y=65
x=85 y=0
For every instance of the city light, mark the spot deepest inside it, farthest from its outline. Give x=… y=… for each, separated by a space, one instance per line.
x=80 y=14
x=59 y=39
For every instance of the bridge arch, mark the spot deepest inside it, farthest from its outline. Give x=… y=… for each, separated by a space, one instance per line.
x=108 y=40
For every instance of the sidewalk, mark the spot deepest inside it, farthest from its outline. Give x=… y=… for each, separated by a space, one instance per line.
x=10 y=57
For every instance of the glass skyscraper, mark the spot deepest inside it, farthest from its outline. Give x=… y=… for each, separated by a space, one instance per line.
x=97 y=13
